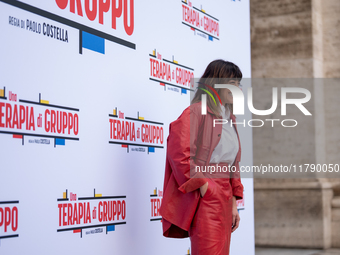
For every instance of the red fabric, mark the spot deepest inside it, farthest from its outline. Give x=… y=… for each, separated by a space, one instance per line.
x=210 y=231
x=191 y=141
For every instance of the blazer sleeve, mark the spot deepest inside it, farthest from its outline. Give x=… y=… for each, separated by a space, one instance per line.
x=235 y=177
x=181 y=150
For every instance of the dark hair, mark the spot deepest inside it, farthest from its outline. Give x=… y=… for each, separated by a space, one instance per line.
x=217 y=72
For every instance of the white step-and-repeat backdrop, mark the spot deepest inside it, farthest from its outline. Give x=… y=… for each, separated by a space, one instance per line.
x=87 y=92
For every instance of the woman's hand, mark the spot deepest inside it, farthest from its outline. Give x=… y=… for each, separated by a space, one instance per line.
x=236 y=216
x=203 y=189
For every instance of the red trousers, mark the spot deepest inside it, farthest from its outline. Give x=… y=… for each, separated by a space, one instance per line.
x=210 y=230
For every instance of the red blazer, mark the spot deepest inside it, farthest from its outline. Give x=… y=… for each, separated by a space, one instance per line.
x=191 y=141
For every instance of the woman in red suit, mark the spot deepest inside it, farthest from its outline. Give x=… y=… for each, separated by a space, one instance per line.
x=202 y=178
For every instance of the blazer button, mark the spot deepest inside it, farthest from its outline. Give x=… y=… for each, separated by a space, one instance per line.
x=219 y=135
